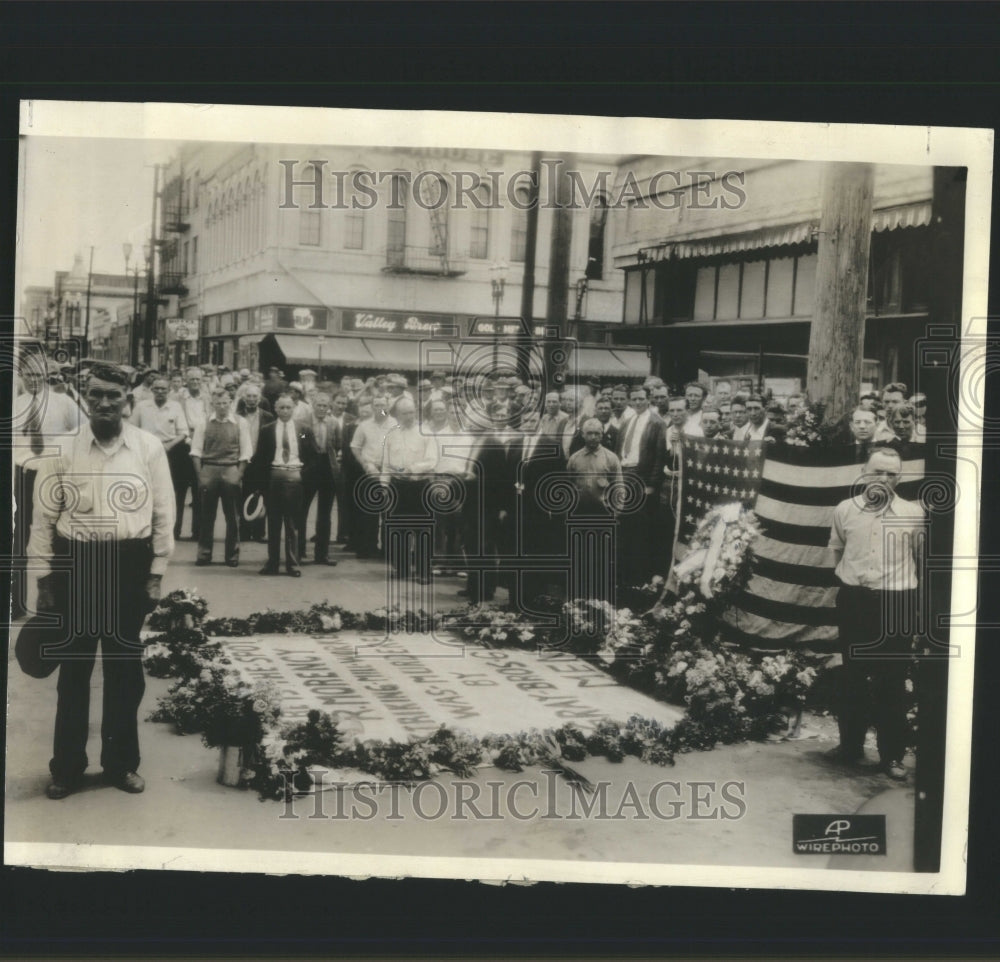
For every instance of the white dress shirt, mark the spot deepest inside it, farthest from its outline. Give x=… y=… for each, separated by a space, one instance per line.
x=59 y=419
x=116 y=492
x=289 y=429
x=633 y=438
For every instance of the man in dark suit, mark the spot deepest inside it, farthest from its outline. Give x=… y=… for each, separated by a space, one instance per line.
x=256 y=417
x=612 y=436
x=541 y=531
x=643 y=453
x=319 y=479
x=284 y=453
x=496 y=460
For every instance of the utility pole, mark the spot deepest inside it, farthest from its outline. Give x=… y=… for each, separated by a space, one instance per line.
x=530 y=254
x=837 y=335
x=86 y=328
x=557 y=305
x=150 y=324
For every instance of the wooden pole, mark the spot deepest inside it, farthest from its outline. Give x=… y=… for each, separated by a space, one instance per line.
x=557 y=303
x=837 y=335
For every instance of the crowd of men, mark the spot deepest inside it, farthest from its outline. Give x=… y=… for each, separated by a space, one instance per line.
x=478 y=457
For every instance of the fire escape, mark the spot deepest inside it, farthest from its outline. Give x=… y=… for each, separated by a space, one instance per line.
x=174 y=206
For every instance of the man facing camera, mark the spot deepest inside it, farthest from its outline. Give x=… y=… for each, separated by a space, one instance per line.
x=104 y=507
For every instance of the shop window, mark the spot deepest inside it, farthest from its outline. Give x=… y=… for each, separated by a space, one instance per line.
x=727 y=302
x=704 y=294
x=780 y=281
x=805 y=284
x=752 y=290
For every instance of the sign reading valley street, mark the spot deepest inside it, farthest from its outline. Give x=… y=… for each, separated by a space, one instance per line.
x=389 y=688
x=398 y=324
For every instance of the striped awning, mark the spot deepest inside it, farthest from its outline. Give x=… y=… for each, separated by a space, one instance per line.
x=883 y=219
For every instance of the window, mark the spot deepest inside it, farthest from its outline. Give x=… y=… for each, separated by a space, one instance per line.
x=194 y=255
x=309 y=227
x=184 y=262
x=479 y=235
x=595 y=249
x=194 y=189
x=395 y=245
x=519 y=224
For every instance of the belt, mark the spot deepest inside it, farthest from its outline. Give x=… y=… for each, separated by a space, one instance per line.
x=286 y=467
x=221 y=464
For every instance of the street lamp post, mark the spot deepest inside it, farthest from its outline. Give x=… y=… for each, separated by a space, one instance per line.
x=498 y=281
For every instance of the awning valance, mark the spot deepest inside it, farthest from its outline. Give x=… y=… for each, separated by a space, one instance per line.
x=336 y=351
x=885 y=218
x=605 y=362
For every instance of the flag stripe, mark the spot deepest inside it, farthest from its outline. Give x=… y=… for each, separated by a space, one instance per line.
x=797 y=533
x=802 y=614
x=806 y=575
x=793 y=554
x=804 y=515
x=763 y=634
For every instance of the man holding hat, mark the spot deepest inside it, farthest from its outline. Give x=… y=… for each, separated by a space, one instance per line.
x=104 y=517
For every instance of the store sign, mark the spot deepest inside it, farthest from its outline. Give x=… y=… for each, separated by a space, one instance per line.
x=301 y=318
x=180 y=330
x=397 y=324
x=505 y=327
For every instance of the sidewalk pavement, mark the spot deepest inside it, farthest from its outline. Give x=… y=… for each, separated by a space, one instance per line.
x=185 y=807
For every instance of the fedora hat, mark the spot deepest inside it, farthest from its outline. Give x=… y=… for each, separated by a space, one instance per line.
x=253 y=507
x=36 y=642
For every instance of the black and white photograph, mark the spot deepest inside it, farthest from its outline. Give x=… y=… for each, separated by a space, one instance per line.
x=481 y=496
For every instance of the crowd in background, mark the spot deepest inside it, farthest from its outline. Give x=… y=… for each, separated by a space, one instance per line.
x=335 y=464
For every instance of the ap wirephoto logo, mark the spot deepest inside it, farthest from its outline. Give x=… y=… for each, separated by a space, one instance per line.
x=838 y=834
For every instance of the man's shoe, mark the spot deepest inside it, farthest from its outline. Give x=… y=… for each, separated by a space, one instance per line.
x=294 y=573
x=268 y=570
x=57 y=790
x=233 y=564
x=128 y=782
x=202 y=562
x=896 y=771
x=329 y=562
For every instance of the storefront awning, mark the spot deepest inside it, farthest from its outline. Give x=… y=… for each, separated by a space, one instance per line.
x=885 y=218
x=336 y=351
x=393 y=354
x=605 y=362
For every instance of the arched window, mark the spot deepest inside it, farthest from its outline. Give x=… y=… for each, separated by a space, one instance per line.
x=595 y=249
x=479 y=228
x=395 y=243
x=519 y=223
x=228 y=257
x=255 y=204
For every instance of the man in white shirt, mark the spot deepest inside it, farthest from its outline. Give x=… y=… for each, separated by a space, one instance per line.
x=892 y=397
x=117 y=558
x=694 y=393
x=758 y=427
x=877 y=543
x=165 y=419
x=197 y=406
x=368 y=448
x=621 y=413
x=408 y=463
x=43 y=422
x=221 y=451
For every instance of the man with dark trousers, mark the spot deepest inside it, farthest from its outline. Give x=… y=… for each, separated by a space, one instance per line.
x=283 y=453
x=319 y=480
x=256 y=417
x=103 y=525
x=642 y=454
x=221 y=451
x=877 y=544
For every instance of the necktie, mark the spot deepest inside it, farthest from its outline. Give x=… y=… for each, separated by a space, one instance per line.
x=627 y=446
x=286 y=448
x=321 y=435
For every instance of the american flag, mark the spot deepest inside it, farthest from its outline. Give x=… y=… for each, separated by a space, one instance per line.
x=714 y=471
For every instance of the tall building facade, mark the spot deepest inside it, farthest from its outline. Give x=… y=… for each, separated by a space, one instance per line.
x=348 y=258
